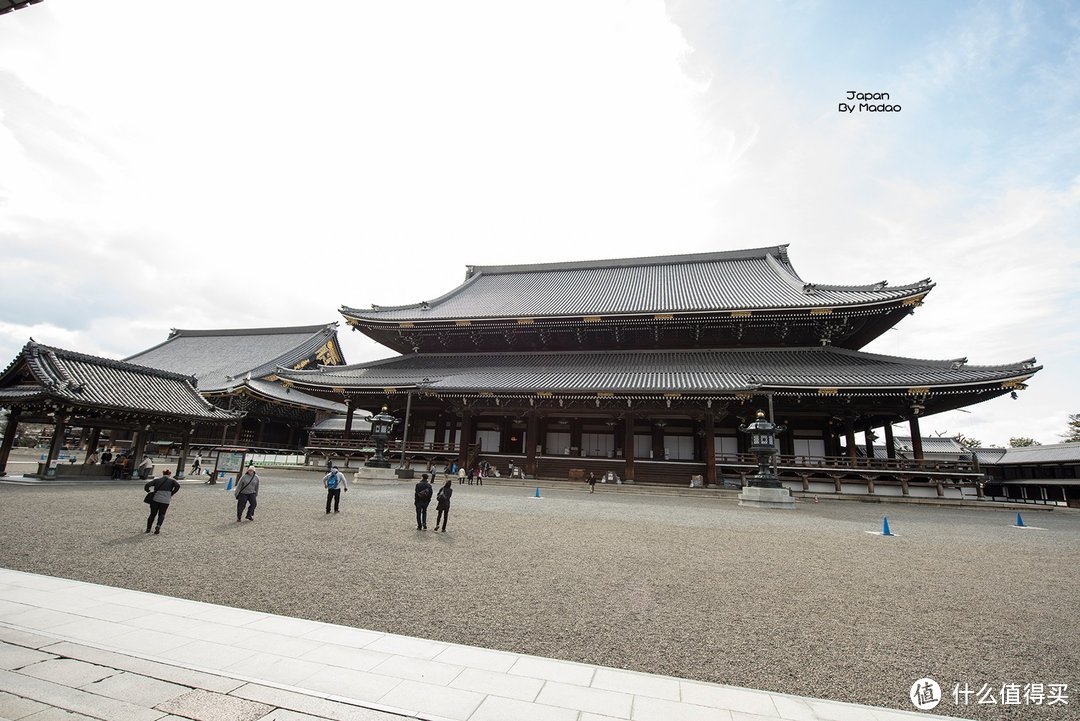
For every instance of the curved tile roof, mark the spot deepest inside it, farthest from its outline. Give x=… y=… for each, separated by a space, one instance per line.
x=728 y=370
x=221 y=358
x=276 y=391
x=1054 y=453
x=89 y=381
x=759 y=278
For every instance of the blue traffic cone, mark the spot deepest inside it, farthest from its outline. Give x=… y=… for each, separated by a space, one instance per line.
x=885 y=527
x=537 y=491
x=1019 y=521
x=229 y=487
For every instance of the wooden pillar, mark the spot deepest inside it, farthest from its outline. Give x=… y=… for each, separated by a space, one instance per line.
x=466 y=439
x=709 y=441
x=916 y=440
x=292 y=435
x=92 y=443
x=869 y=436
x=575 y=435
x=57 y=440
x=137 y=442
x=628 y=447
x=440 y=429
x=849 y=438
x=505 y=431
x=787 y=440
x=532 y=440
x=890 y=445
x=9 y=439
x=185 y=448
x=259 y=433
x=350 y=410
x=657 y=442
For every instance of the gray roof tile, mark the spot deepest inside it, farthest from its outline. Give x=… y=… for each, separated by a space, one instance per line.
x=89 y=381
x=1056 y=453
x=760 y=278
x=657 y=371
x=220 y=358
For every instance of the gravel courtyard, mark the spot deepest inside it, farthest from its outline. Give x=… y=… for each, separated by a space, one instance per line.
x=803 y=602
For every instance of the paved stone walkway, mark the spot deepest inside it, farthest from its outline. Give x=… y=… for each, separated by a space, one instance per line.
x=71 y=651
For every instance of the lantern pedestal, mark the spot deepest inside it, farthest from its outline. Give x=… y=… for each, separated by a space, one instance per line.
x=762 y=497
x=364 y=473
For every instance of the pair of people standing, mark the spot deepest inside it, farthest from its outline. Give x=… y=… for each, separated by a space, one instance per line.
x=422 y=498
x=334 y=482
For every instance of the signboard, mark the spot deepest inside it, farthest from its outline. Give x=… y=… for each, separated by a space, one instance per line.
x=229 y=464
x=230 y=461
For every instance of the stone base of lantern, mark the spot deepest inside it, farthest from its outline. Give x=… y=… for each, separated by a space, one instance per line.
x=759 y=497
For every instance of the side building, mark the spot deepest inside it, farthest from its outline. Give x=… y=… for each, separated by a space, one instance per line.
x=62 y=389
x=236 y=369
x=645 y=368
x=1033 y=474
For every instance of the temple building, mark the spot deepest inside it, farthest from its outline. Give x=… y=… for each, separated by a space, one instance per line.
x=62 y=388
x=644 y=369
x=236 y=370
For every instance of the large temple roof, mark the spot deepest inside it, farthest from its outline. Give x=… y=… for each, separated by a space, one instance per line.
x=759 y=278
x=46 y=374
x=813 y=369
x=220 y=359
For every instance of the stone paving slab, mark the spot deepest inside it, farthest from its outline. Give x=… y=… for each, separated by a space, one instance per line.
x=208 y=706
x=68 y=672
x=15 y=707
x=70 y=699
x=139 y=690
x=13 y=657
x=143 y=667
x=307 y=704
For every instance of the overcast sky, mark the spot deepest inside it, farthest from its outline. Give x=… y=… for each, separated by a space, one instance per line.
x=262 y=163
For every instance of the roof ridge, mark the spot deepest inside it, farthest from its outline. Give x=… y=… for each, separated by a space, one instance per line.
x=741 y=254
x=276 y=330
x=65 y=354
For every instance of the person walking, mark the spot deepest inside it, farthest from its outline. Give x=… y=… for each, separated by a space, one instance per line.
x=442 y=504
x=247 y=488
x=196 y=464
x=461 y=475
x=592 y=482
x=163 y=488
x=422 y=497
x=335 y=483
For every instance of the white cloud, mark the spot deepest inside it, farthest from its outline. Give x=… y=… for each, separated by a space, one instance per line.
x=263 y=165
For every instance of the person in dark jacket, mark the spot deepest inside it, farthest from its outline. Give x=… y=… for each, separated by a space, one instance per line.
x=442 y=504
x=163 y=488
x=246 y=493
x=422 y=497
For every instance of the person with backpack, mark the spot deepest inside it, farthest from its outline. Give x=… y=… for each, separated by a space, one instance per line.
x=442 y=504
x=422 y=497
x=334 y=483
x=159 y=493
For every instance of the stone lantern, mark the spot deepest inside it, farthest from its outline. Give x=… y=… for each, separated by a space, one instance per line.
x=764 y=489
x=763 y=445
x=381 y=427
